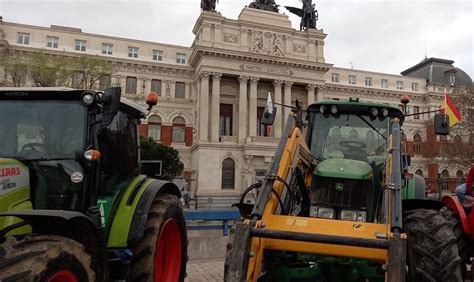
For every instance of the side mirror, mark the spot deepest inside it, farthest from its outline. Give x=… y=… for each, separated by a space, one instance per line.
x=441 y=124
x=268 y=116
x=110 y=104
x=151 y=168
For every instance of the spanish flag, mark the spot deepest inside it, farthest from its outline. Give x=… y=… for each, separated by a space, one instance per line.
x=450 y=109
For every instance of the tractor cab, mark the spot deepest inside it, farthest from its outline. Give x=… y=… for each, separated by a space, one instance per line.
x=349 y=140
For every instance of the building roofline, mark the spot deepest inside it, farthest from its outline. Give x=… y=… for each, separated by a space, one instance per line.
x=426 y=62
x=75 y=30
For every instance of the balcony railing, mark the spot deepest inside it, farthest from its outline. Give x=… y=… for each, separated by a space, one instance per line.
x=228 y=139
x=264 y=139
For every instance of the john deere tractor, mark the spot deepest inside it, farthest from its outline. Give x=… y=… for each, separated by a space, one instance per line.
x=73 y=204
x=337 y=204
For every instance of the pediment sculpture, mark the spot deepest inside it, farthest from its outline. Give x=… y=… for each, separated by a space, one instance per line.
x=267 y=43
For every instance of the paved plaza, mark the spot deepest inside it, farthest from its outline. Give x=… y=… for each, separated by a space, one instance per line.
x=205 y=271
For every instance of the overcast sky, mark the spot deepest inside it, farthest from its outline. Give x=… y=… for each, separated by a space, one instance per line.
x=377 y=35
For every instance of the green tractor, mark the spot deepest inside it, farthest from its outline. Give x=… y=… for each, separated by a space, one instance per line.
x=73 y=204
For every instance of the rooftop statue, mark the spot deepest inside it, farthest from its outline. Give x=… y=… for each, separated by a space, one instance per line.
x=268 y=5
x=209 y=5
x=309 y=14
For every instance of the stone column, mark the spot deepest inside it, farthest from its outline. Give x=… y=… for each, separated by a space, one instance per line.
x=287 y=100
x=277 y=125
x=187 y=91
x=311 y=88
x=204 y=107
x=243 y=108
x=253 y=106
x=215 y=106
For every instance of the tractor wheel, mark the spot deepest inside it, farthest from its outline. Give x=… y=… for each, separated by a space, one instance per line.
x=458 y=231
x=161 y=255
x=44 y=258
x=432 y=250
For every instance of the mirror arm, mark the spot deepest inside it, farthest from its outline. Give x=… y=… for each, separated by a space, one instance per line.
x=421 y=113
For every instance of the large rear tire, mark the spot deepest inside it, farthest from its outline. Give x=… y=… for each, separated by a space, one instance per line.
x=432 y=250
x=161 y=255
x=44 y=258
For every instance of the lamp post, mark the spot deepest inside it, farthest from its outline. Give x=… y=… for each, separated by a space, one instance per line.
x=440 y=187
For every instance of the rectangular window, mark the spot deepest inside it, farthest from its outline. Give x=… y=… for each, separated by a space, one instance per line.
x=368 y=81
x=335 y=77
x=154 y=131
x=414 y=87
x=80 y=45
x=23 y=38
x=399 y=85
x=384 y=83
x=107 y=48
x=78 y=80
x=416 y=110
x=261 y=128
x=156 y=86
x=180 y=58
x=178 y=133
x=352 y=79
x=131 y=85
x=452 y=79
x=225 y=119
x=157 y=55
x=52 y=41
x=105 y=81
x=133 y=52
x=180 y=88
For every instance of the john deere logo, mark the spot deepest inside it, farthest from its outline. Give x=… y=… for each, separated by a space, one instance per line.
x=339 y=186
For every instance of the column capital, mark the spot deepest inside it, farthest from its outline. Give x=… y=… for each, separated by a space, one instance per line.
x=254 y=79
x=204 y=74
x=311 y=86
x=216 y=75
x=278 y=82
x=288 y=83
x=243 y=78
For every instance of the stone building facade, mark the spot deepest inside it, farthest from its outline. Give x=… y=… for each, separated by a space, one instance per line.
x=213 y=93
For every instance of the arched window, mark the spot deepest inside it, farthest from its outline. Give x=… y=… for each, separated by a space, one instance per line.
x=178 y=129
x=228 y=174
x=459 y=176
x=417 y=144
x=419 y=172
x=154 y=127
x=444 y=179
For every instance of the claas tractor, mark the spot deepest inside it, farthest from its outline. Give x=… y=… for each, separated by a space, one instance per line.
x=337 y=204
x=74 y=206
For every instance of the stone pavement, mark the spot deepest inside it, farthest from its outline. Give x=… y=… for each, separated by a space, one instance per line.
x=205 y=271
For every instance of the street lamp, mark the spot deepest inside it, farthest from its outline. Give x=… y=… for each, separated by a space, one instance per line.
x=440 y=188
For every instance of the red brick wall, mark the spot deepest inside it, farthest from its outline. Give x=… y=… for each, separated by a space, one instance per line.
x=166 y=134
x=143 y=130
x=188 y=136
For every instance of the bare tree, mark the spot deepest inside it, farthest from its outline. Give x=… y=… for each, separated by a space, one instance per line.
x=15 y=68
x=91 y=70
x=47 y=70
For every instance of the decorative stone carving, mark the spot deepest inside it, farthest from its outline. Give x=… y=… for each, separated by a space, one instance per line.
x=289 y=83
x=243 y=78
x=311 y=86
x=216 y=75
x=230 y=38
x=299 y=48
x=254 y=79
x=204 y=74
x=278 y=82
x=267 y=43
x=247 y=172
x=248 y=67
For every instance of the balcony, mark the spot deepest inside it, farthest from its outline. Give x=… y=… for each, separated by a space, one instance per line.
x=264 y=140
x=228 y=139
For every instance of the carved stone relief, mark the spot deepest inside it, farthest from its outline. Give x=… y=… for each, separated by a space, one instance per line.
x=267 y=43
x=299 y=48
x=230 y=38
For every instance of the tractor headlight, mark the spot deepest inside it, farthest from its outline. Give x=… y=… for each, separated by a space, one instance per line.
x=322 y=109
x=334 y=109
x=322 y=212
x=353 y=215
x=87 y=98
x=384 y=112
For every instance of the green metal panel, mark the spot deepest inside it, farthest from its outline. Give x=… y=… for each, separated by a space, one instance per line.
x=344 y=168
x=122 y=220
x=408 y=189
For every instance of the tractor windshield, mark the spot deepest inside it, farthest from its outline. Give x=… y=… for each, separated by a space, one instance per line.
x=349 y=136
x=45 y=135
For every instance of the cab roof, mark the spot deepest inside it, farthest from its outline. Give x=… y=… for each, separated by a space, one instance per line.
x=61 y=93
x=356 y=106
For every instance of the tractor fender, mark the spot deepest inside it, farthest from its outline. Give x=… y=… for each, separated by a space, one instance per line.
x=453 y=204
x=70 y=224
x=420 y=187
x=143 y=207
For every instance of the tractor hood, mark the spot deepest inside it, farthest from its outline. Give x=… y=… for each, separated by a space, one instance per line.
x=344 y=168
